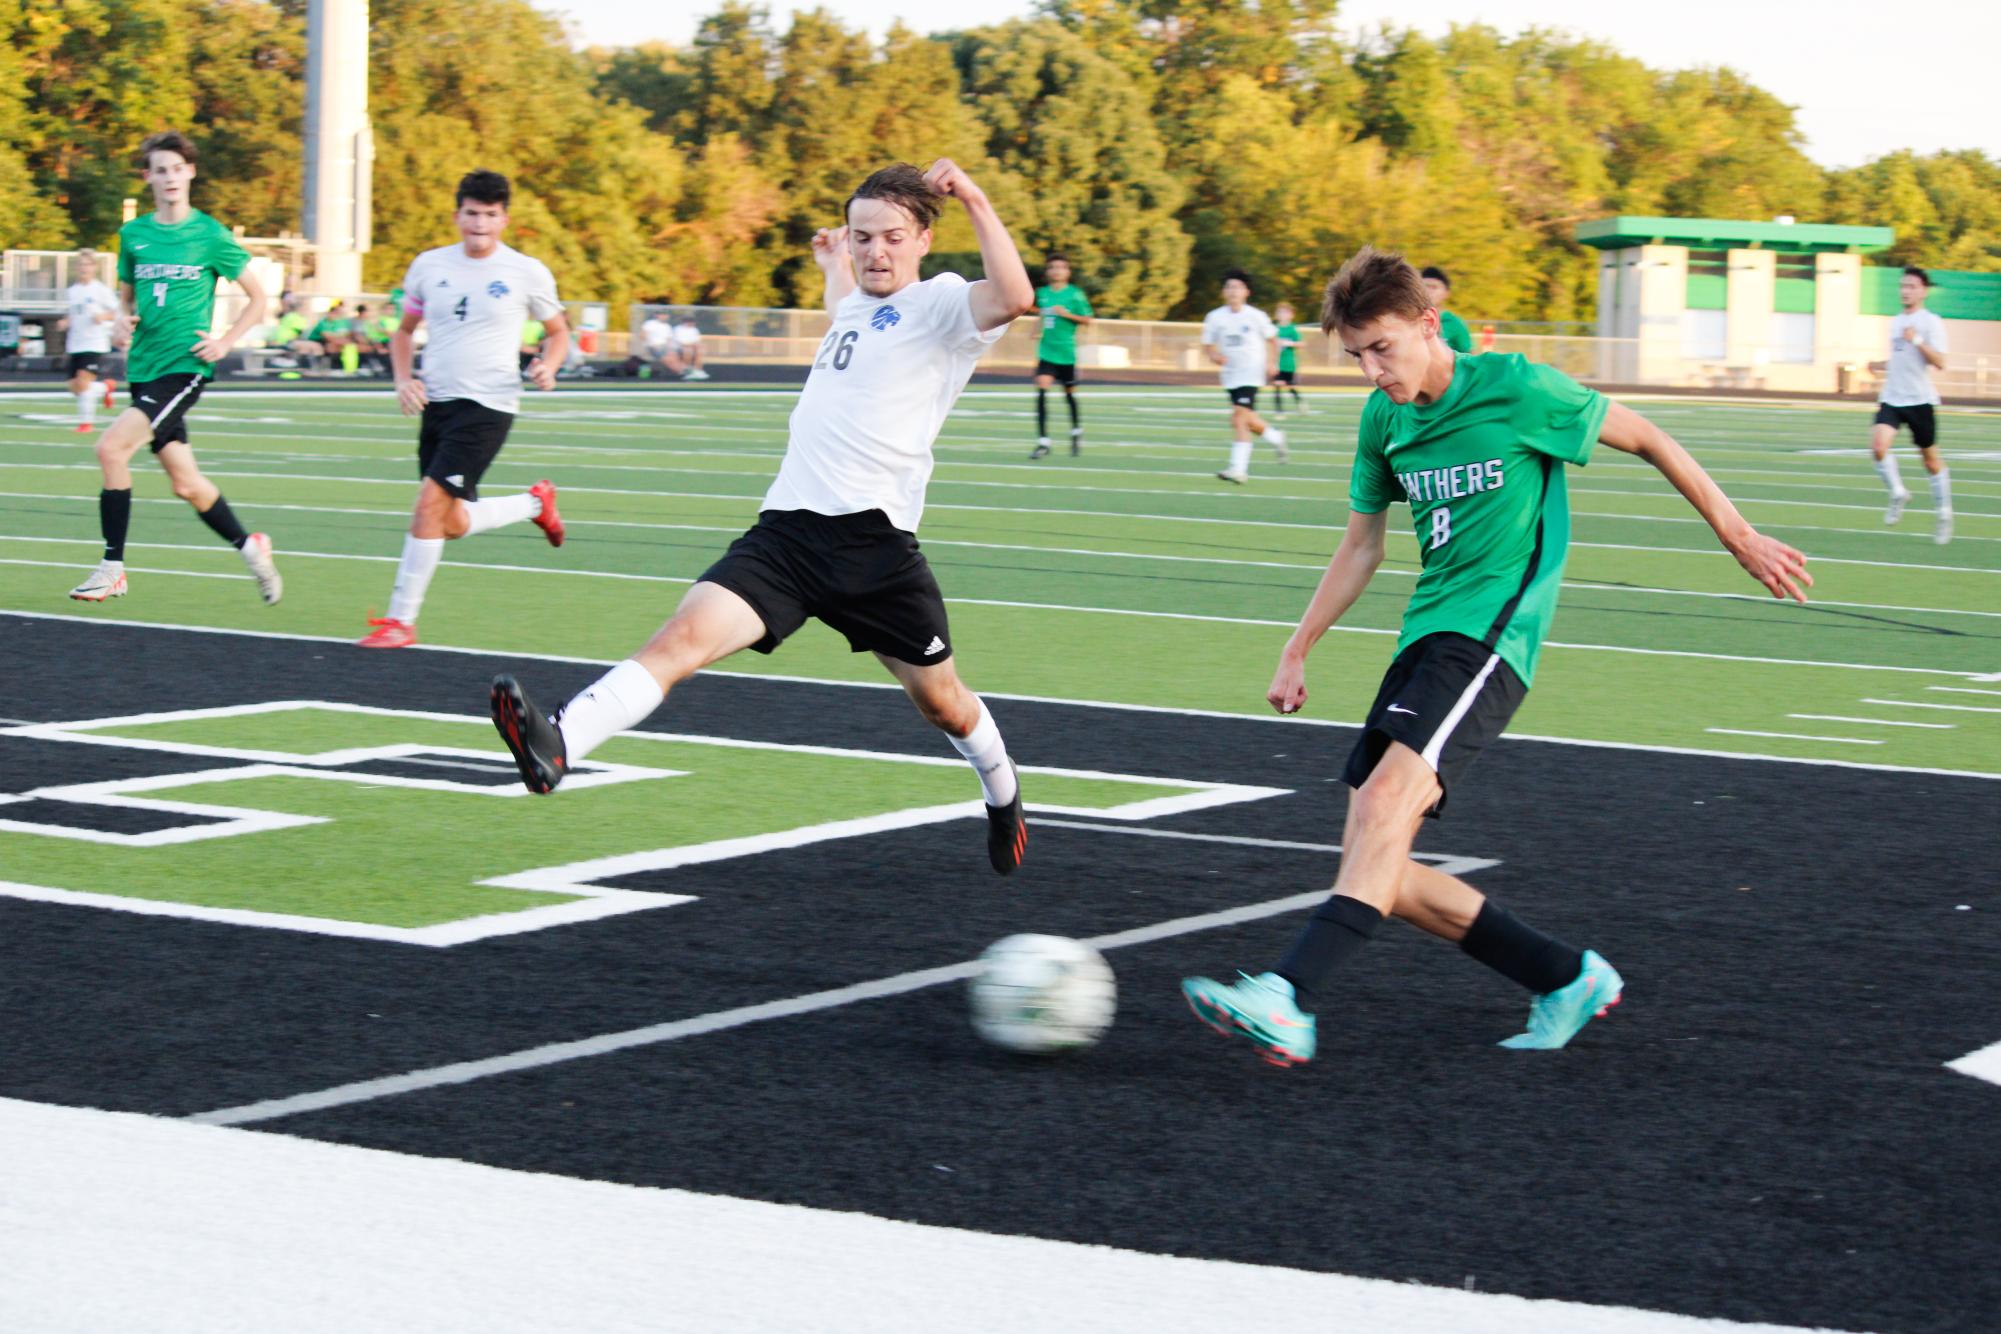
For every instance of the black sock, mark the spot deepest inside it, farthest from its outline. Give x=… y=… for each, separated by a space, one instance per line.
x=1336 y=930
x=219 y=517
x=1071 y=396
x=114 y=516
x=1296 y=400
x=1042 y=413
x=1519 y=952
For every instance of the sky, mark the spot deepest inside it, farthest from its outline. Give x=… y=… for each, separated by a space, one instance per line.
x=1860 y=87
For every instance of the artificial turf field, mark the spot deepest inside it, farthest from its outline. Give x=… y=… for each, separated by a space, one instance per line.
x=294 y=889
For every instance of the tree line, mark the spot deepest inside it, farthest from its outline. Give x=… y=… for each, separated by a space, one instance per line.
x=1156 y=143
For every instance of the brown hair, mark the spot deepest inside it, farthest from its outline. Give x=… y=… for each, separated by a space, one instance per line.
x=166 y=141
x=902 y=185
x=1373 y=284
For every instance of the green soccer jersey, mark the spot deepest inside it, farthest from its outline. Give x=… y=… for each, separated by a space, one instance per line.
x=1059 y=336
x=1288 y=335
x=173 y=271
x=1481 y=470
x=1454 y=331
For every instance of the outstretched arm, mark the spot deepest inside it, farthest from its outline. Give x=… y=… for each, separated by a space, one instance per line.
x=830 y=252
x=1005 y=294
x=1348 y=573
x=1780 y=568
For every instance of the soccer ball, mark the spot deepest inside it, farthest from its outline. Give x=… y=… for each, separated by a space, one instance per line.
x=1040 y=994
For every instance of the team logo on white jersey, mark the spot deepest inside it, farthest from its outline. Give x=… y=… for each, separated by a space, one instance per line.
x=496 y=289
x=884 y=317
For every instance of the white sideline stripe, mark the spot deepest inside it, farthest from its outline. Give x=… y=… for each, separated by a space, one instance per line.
x=130 y=569
x=1166 y=710
x=1983 y=1064
x=603 y=1044
x=1145 y=614
x=1793 y=736
x=1315 y=567
x=1965 y=690
x=1040 y=510
x=534 y=1253
x=1873 y=722
x=1912 y=704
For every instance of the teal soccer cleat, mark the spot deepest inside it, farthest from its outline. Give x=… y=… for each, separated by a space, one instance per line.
x=1260 y=1008
x=1557 y=1016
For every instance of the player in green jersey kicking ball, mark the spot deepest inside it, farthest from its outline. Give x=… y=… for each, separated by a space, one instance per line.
x=1476 y=447
x=168 y=264
x=1063 y=308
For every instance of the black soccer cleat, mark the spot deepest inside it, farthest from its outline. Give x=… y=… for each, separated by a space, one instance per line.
x=536 y=743
x=1007 y=832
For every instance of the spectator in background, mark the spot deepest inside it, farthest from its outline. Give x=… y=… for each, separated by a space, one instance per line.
x=532 y=334
x=334 y=332
x=686 y=353
x=657 y=335
x=290 y=333
x=371 y=340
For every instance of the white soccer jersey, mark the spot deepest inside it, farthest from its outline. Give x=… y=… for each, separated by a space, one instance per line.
x=86 y=302
x=1242 y=335
x=657 y=332
x=1908 y=381
x=884 y=377
x=475 y=309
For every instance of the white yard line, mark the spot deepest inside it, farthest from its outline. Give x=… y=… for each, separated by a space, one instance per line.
x=1873 y=722
x=1911 y=704
x=1792 y=736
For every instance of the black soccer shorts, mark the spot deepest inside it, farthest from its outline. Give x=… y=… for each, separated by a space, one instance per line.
x=1447 y=697
x=1244 y=396
x=84 y=361
x=165 y=402
x=1919 y=417
x=458 y=442
x=1063 y=372
x=855 y=572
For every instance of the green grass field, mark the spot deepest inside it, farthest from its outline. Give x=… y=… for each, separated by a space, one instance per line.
x=1128 y=575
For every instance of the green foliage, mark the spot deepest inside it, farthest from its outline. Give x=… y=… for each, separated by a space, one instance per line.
x=1157 y=142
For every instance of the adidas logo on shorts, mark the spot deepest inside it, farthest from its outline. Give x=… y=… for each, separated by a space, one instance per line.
x=936 y=646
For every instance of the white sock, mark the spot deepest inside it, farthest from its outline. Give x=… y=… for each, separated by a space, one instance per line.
x=86 y=404
x=497 y=510
x=616 y=702
x=1240 y=457
x=1886 y=468
x=1942 y=489
x=987 y=753
x=413 y=577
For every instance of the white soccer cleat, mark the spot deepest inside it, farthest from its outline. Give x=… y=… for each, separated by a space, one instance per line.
x=106 y=581
x=1276 y=439
x=1942 y=528
x=1238 y=477
x=256 y=554
x=1896 y=507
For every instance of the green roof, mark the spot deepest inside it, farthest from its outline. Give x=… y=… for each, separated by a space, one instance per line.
x=1723 y=234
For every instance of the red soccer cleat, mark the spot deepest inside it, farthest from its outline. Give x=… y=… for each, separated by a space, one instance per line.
x=109 y=387
x=549 y=521
x=82 y=427
x=387 y=634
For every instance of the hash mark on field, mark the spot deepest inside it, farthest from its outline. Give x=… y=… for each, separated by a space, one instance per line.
x=555 y=1053
x=1792 y=736
x=1909 y=704
x=1872 y=722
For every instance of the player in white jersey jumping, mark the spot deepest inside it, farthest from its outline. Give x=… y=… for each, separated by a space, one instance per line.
x=89 y=323
x=477 y=295
x=1242 y=340
x=1908 y=398
x=836 y=536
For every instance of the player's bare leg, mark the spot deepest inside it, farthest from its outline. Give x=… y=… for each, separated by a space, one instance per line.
x=121 y=439
x=206 y=498
x=1882 y=439
x=711 y=623
x=440 y=517
x=83 y=388
x=945 y=702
